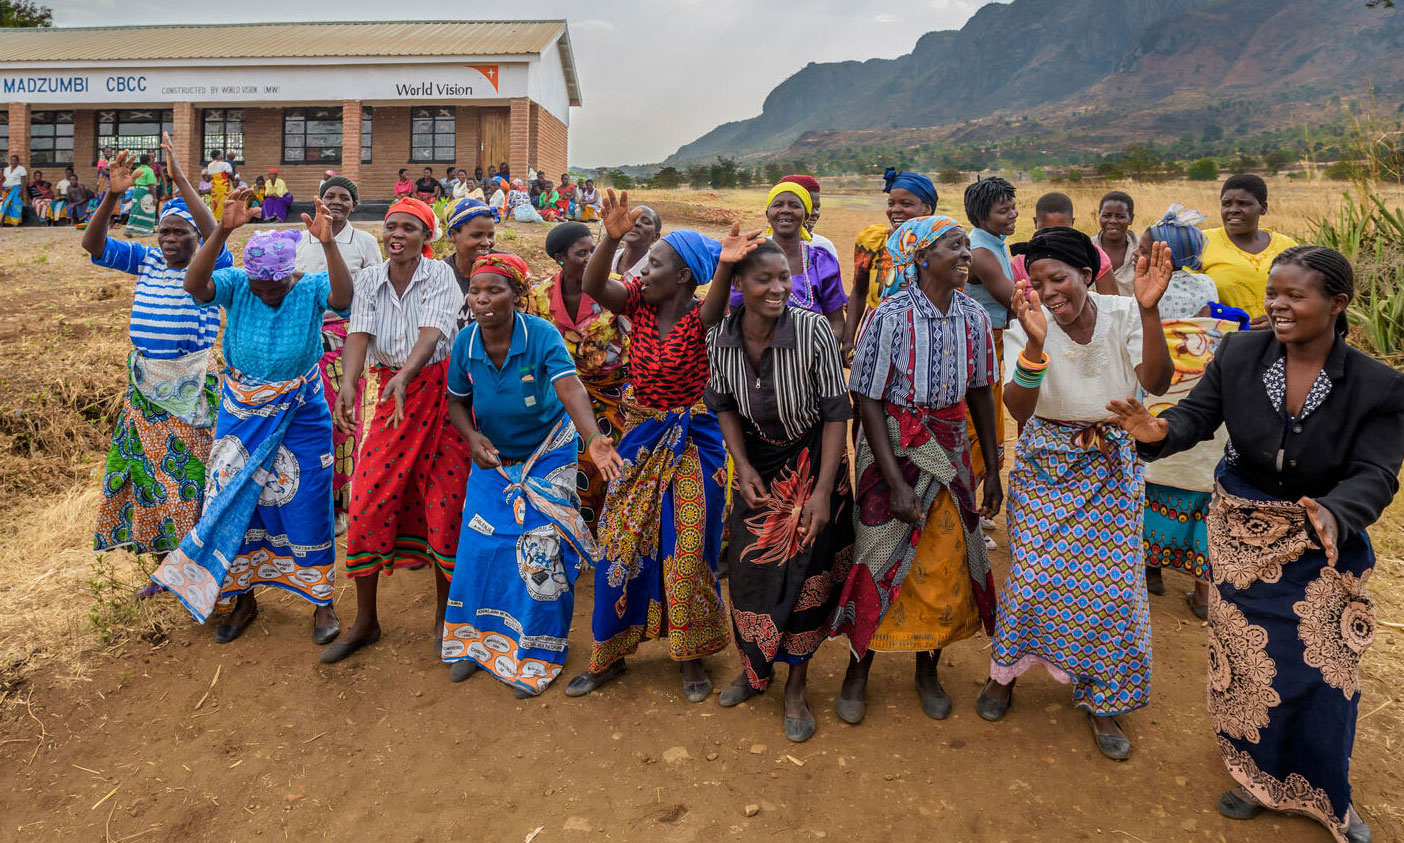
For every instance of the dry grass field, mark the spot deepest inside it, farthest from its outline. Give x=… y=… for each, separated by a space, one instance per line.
x=98 y=696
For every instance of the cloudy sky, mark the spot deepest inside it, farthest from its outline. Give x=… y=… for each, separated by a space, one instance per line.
x=655 y=74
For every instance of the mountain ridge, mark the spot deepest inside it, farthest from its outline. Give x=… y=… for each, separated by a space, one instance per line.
x=1069 y=61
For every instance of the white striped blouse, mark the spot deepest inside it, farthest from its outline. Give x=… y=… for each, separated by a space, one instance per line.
x=799 y=383
x=431 y=300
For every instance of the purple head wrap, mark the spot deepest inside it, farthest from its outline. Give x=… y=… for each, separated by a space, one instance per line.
x=270 y=255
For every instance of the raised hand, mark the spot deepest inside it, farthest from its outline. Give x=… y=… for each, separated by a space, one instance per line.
x=1133 y=417
x=1153 y=275
x=168 y=147
x=1328 y=530
x=618 y=219
x=320 y=227
x=736 y=245
x=119 y=173
x=1028 y=309
x=237 y=211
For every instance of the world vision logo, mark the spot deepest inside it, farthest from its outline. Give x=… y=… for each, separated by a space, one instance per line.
x=489 y=72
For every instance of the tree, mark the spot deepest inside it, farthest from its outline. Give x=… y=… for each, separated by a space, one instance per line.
x=1213 y=133
x=1038 y=174
x=24 y=14
x=743 y=177
x=775 y=171
x=723 y=173
x=698 y=176
x=617 y=179
x=1244 y=163
x=667 y=178
x=1074 y=175
x=950 y=175
x=1139 y=160
x=1205 y=169
x=1279 y=158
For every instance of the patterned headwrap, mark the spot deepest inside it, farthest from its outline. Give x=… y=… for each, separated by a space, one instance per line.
x=270 y=255
x=425 y=214
x=805 y=199
x=511 y=267
x=698 y=252
x=914 y=183
x=1062 y=243
x=1179 y=230
x=912 y=235
x=177 y=207
x=466 y=209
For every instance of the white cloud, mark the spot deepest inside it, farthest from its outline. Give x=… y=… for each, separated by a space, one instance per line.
x=592 y=25
x=883 y=17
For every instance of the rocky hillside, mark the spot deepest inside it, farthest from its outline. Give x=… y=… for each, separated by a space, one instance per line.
x=1093 y=61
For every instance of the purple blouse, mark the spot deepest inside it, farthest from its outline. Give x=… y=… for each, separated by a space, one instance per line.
x=820 y=290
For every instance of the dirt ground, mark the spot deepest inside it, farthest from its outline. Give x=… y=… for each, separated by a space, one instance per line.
x=124 y=725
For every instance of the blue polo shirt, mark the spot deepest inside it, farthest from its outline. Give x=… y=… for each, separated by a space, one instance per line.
x=515 y=406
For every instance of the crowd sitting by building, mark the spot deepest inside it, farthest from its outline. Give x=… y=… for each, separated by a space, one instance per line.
x=1185 y=398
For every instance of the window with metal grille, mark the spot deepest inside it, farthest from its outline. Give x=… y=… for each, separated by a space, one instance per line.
x=5 y=137
x=365 y=134
x=136 y=129
x=224 y=131
x=50 y=138
x=312 y=136
x=432 y=135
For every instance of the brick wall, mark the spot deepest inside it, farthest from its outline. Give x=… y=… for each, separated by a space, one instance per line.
x=520 y=147
x=85 y=145
x=19 y=133
x=551 y=144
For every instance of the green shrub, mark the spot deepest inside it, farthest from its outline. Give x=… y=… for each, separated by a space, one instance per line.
x=1205 y=169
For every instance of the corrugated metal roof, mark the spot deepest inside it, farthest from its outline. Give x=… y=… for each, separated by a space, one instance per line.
x=281 y=40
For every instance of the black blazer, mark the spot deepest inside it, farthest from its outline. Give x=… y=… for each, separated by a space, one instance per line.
x=1346 y=453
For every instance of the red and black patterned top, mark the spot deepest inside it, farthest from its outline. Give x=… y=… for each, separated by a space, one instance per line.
x=668 y=372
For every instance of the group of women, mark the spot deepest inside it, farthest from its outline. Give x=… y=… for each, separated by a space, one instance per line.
x=598 y=418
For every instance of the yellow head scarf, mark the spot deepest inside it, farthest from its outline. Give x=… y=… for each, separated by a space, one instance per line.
x=804 y=197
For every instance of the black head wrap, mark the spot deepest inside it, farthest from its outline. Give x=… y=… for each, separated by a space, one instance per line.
x=1059 y=242
x=341 y=181
x=565 y=235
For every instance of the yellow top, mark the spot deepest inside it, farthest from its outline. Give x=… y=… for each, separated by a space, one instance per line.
x=277 y=187
x=870 y=254
x=1241 y=276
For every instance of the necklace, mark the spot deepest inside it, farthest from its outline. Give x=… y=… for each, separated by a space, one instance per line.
x=802 y=285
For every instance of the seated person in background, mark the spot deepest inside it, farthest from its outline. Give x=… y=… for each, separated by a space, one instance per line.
x=403 y=186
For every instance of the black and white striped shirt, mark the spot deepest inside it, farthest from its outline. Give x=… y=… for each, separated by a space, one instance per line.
x=799 y=383
x=431 y=300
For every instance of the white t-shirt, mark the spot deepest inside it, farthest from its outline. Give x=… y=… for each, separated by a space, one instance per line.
x=824 y=243
x=358 y=248
x=14 y=175
x=1082 y=379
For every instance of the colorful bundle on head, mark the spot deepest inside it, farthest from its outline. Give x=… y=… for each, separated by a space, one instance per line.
x=270 y=255
x=805 y=199
x=914 y=183
x=511 y=267
x=425 y=214
x=1179 y=230
x=911 y=236
x=468 y=209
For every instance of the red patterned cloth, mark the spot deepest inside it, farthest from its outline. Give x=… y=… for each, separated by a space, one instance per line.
x=667 y=372
x=407 y=499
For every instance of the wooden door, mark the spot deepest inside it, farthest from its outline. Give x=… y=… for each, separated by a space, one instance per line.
x=496 y=137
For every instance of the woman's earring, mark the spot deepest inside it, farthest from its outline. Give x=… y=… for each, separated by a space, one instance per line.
x=925 y=265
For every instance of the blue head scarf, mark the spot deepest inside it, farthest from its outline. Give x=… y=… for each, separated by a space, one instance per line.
x=1178 y=230
x=698 y=252
x=915 y=183
x=466 y=209
x=177 y=207
x=912 y=235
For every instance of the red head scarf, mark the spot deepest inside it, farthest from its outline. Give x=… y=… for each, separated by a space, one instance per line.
x=809 y=183
x=511 y=267
x=425 y=214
